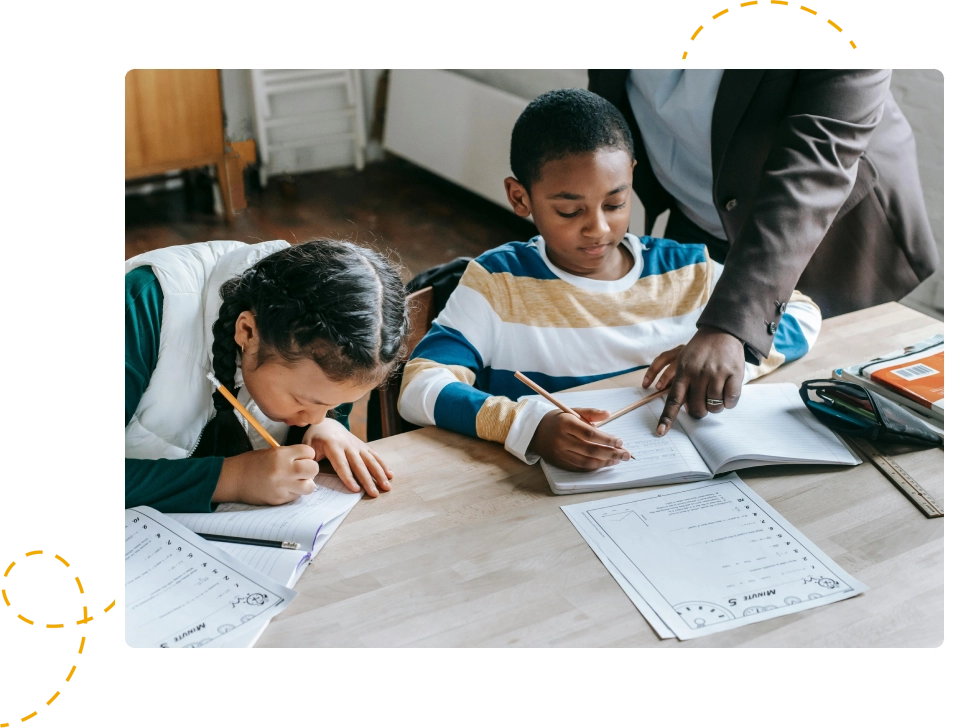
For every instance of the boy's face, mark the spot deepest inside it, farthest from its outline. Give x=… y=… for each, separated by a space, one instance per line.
x=581 y=206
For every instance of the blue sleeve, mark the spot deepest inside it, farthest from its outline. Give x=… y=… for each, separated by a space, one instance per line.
x=790 y=340
x=446 y=345
x=457 y=407
x=445 y=349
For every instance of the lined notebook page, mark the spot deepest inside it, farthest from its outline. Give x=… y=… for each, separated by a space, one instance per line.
x=282 y=565
x=770 y=424
x=298 y=521
x=654 y=459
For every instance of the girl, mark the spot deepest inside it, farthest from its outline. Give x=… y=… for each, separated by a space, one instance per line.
x=292 y=331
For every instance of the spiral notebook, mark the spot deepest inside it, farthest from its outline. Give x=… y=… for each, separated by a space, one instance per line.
x=769 y=426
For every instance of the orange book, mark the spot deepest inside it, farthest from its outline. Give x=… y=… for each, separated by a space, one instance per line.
x=919 y=377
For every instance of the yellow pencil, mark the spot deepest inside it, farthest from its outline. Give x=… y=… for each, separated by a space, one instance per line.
x=242 y=411
x=545 y=394
x=553 y=400
x=631 y=407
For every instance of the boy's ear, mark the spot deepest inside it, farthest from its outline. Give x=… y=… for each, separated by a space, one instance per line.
x=518 y=196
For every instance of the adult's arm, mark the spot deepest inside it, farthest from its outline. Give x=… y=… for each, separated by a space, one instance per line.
x=807 y=176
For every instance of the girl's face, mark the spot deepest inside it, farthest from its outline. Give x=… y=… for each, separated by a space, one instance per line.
x=296 y=393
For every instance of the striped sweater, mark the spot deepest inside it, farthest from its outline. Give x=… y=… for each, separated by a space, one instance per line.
x=515 y=310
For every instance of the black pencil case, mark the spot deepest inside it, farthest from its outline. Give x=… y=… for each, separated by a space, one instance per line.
x=884 y=422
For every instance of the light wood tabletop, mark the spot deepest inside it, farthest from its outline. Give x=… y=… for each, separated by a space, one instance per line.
x=470 y=548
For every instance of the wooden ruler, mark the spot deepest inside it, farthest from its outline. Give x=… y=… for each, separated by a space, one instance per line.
x=902 y=481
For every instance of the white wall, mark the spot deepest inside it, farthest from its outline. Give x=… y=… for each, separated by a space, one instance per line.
x=920 y=94
x=239 y=121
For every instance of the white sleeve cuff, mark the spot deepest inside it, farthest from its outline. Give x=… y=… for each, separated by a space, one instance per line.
x=749 y=374
x=523 y=428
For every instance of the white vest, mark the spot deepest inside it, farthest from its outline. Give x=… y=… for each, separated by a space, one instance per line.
x=177 y=404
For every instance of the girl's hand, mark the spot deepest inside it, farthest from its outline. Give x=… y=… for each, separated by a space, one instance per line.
x=660 y=363
x=267 y=477
x=572 y=444
x=350 y=457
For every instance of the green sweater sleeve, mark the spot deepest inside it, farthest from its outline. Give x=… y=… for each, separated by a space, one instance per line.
x=170 y=486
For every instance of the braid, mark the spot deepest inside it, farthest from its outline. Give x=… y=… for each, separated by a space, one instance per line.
x=225 y=350
x=224 y=435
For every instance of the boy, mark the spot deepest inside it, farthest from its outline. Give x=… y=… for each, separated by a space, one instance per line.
x=583 y=301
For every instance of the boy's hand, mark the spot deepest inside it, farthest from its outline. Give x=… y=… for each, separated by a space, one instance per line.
x=267 y=477
x=573 y=444
x=350 y=457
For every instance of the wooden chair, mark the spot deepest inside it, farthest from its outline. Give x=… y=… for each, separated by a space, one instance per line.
x=385 y=398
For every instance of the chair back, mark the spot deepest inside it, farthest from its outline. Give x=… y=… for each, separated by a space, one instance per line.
x=421 y=310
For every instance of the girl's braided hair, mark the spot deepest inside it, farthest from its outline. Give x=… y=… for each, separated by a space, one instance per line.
x=341 y=305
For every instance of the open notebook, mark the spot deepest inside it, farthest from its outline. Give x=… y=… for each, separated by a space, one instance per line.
x=770 y=425
x=302 y=520
x=283 y=565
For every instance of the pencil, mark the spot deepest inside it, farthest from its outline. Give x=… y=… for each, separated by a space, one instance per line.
x=545 y=394
x=294 y=545
x=631 y=407
x=242 y=411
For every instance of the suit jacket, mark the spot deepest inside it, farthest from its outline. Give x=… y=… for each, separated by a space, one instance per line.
x=816 y=182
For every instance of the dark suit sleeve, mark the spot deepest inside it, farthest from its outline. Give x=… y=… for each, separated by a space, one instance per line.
x=808 y=174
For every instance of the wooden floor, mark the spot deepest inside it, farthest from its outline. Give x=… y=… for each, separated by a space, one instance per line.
x=392 y=205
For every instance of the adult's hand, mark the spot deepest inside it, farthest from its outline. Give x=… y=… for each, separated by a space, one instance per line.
x=710 y=367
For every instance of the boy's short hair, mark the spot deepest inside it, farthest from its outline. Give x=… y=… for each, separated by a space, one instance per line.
x=563 y=122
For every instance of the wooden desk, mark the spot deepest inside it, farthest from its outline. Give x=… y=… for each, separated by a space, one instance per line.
x=471 y=549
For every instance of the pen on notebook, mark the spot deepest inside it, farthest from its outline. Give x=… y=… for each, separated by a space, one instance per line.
x=251 y=541
x=635 y=405
x=244 y=412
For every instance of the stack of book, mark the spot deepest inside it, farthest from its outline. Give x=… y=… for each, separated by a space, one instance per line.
x=913 y=377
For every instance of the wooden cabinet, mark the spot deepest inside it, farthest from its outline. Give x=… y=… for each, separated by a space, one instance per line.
x=174 y=121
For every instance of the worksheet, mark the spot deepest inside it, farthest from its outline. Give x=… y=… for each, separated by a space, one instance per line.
x=634 y=596
x=710 y=556
x=182 y=591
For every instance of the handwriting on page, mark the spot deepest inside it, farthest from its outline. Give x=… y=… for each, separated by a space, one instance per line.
x=278 y=564
x=647 y=448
